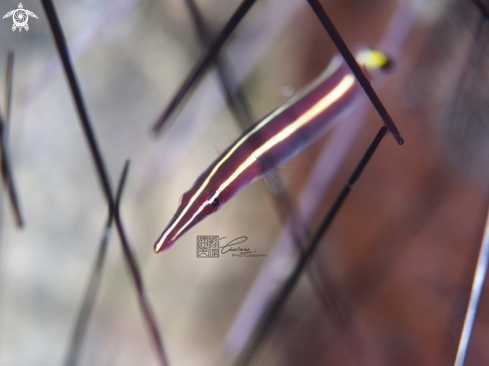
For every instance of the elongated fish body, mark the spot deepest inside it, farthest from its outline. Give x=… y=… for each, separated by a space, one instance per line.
x=270 y=142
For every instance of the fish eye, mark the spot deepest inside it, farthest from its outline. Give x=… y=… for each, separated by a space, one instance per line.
x=215 y=201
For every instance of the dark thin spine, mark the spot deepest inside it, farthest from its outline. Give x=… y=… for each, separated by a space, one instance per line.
x=317 y=272
x=6 y=167
x=235 y=100
x=94 y=282
x=8 y=88
x=104 y=178
x=357 y=71
x=7 y=177
x=204 y=64
x=273 y=310
x=482 y=8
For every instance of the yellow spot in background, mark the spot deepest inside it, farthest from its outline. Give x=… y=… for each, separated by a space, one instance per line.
x=372 y=59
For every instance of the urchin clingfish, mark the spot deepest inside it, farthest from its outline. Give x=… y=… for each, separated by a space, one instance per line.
x=271 y=141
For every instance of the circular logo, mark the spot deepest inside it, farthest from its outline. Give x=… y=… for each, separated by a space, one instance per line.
x=20 y=18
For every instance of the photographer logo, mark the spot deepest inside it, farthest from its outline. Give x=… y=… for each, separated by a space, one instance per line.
x=20 y=17
x=208 y=246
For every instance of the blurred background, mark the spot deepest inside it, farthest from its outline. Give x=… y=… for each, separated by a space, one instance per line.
x=398 y=261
